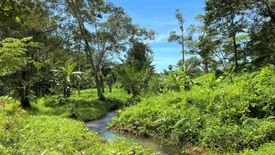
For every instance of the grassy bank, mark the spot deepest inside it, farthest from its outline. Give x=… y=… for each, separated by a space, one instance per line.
x=22 y=133
x=229 y=114
x=86 y=106
x=46 y=129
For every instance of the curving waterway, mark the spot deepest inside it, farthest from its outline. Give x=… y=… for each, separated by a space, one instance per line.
x=100 y=127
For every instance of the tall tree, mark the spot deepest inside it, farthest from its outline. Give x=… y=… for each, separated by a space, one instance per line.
x=136 y=71
x=103 y=30
x=200 y=45
x=32 y=19
x=179 y=36
x=15 y=60
x=228 y=18
x=10 y=13
x=261 y=31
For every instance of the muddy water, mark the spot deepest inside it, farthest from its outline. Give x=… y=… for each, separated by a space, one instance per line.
x=100 y=127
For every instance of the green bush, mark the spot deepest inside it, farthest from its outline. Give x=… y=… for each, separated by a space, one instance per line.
x=261 y=97
x=154 y=85
x=54 y=101
x=187 y=129
x=8 y=104
x=230 y=113
x=41 y=134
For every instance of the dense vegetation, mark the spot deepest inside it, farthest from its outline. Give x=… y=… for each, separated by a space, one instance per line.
x=65 y=62
x=225 y=114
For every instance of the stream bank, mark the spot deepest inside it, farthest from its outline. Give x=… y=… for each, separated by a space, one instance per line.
x=100 y=127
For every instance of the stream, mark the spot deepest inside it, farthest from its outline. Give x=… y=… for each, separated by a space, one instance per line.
x=100 y=127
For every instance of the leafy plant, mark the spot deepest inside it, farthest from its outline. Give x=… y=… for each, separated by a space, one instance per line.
x=65 y=76
x=217 y=114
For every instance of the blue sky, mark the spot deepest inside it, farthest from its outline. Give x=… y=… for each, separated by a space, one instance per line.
x=159 y=15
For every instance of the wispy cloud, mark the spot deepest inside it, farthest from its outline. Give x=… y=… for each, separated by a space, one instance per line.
x=160 y=38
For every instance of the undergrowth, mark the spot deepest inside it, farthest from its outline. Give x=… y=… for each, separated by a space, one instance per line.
x=228 y=114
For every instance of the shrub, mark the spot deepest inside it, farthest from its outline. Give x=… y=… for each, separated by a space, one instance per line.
x=187 y=129
x=227 y=114
x=222 y=137
x=154 y=85
x=54 y=101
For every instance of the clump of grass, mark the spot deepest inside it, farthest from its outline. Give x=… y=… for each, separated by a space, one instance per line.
x=266 y=149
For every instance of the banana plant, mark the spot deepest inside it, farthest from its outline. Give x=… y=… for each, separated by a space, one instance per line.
x=176 y=79
x=65 y=76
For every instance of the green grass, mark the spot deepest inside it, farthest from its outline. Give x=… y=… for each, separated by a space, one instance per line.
x=221 y=115
x=87 y=106
x=266 y=149
x=46 y=129
x=22 y=133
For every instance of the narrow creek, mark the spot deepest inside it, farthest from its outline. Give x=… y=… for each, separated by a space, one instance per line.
x=100 y=127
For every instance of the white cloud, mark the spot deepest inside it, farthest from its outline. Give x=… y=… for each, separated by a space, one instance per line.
x=160 y=38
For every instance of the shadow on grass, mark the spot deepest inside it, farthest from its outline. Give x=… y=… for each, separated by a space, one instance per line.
x=83 y=109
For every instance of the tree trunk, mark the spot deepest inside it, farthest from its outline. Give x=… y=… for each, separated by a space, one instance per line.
x=182 y=46
x=40 y=90
x=79 y=66
x=66 y=91
x=235 y=51
x=88 y=49
x=102 y=84
x=78 y=88
x=24 y=91
x=206 y=66
x=110 y=88
x=99 y=88
x=183 y=56
x=25 y=101
x=233 y=25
